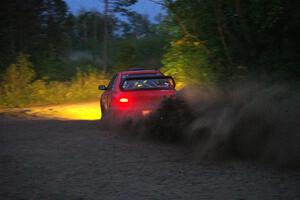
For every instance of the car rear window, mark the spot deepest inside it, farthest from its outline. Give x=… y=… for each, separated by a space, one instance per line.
x=140 y=75
x=147 y=82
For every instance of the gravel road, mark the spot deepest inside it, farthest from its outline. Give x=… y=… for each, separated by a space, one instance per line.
x=48 y=159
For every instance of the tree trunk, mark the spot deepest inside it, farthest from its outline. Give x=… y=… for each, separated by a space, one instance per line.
x=245 y=28
x=220 y=27
x=105 y=37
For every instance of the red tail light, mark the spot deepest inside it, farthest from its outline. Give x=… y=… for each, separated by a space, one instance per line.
x=123 y=100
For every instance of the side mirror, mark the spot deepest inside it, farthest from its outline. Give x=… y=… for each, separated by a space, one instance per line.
x=102 y=87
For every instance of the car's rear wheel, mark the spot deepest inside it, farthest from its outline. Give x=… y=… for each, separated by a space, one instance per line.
x=104 y=112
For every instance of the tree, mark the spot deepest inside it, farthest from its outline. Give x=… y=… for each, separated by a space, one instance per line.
x=19 y=28
x=240 y=38
x=16 y=80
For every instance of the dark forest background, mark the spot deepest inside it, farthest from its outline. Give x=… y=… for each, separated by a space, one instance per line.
x=58 y=41
x=204 y=41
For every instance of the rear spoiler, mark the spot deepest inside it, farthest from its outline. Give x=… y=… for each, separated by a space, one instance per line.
x=150 y=77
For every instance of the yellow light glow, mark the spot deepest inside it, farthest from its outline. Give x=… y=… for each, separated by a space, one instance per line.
x=79 y=111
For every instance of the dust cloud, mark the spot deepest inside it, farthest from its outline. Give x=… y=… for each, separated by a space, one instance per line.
x=242 y=121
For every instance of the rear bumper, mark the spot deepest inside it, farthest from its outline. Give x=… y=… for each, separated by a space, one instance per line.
x=131 y=113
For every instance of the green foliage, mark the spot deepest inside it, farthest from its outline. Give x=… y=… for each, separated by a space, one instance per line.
x=126 y=54
x=186 y=61
x=19 y=89
x=141 y=43
x=59 y=41
x=203 y=41
x=16 y=80
x=51 y=65
x=241 y=38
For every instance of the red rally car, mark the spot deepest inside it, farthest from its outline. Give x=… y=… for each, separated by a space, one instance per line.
x=135 y=93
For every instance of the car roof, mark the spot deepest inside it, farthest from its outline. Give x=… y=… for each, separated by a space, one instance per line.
x=140 y=72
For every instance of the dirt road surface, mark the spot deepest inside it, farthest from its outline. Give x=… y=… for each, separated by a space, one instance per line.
x=51 y=159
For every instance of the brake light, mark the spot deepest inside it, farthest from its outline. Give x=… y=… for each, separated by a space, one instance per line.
x=123 y=100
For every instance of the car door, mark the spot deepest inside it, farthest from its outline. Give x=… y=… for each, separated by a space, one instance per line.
x=107 y=95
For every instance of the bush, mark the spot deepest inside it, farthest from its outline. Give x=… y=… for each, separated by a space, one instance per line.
x=16 y=79
x=18 y=87
x=186 y=61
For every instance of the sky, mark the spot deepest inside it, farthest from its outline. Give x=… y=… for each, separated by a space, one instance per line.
x=143 y=6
